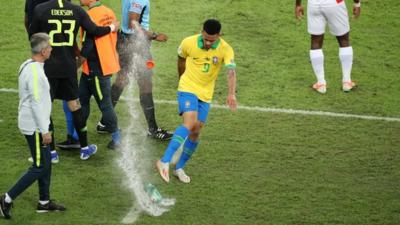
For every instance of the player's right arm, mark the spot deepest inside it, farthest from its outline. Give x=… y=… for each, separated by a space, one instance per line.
x=182 y=55
x=92 y=28
x=181 y=65
x=299 y=10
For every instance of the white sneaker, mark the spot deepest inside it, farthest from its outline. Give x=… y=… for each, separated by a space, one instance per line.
x=163 y=169
x=180 y=173
x=321 y=88
x=348 y=86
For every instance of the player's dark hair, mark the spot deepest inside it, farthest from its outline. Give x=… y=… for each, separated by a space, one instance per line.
x=212 y=26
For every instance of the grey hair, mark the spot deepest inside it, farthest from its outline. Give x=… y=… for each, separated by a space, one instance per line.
x=39 y=41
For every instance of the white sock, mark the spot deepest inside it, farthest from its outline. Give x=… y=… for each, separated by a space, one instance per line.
x=8 y=199
x=317 y=62
x=346 y=58
x=43 y=202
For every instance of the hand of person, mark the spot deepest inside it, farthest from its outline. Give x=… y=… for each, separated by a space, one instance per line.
x=299 y=12
x=356 y=12
x=161 y=37
x=116 y=25
x=46 y=138
x=79 y=61
x=231 y=102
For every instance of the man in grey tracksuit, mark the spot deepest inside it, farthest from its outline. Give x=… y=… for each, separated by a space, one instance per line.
x=33 y=122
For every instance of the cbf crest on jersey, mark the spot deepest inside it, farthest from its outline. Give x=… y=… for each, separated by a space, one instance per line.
x=215 y=60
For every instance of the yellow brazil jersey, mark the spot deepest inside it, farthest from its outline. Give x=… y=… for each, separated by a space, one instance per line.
x=203 y=66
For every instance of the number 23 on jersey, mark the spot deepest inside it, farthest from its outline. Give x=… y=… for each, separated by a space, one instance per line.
x=69 y=32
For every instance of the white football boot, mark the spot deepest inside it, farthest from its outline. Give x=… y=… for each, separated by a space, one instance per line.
x=181 y=175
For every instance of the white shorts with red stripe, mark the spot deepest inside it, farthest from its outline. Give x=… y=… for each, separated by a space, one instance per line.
x=331 y=12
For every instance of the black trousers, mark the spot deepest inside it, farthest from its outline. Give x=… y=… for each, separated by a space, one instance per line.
x=100 y=88
x=40 y=169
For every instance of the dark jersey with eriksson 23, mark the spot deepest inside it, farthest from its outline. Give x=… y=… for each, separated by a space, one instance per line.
x=61 y=20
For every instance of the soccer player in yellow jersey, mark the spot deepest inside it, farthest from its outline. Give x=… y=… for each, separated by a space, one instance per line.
x=200 y=58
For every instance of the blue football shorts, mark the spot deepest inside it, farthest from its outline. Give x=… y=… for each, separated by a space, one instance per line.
x=188 y=102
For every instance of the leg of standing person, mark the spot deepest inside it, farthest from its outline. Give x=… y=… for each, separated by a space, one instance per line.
x=346 y=59
x=102 y=94
x=69 y=121
x=317 y=62
x=338 y=21
x=71 y=93
x=121 y=81
x=85 y=93
x=316 y=23
x=339 y=26
x=54 y=155
x=145 y=83
x=188 y=105
x=72 y=141
x=192 y=142
x=40 y=170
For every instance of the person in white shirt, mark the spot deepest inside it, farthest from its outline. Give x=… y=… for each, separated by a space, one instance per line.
x=333 y=13
x=33 y=121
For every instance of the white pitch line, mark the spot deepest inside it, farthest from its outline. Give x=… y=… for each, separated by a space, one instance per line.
x=271 y=110
x=8 y=90
x=295 y=111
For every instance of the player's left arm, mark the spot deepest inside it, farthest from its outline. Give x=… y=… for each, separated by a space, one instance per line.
x=356 y=9
x=182 y=55
x=231 y=99
x=231 y=70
